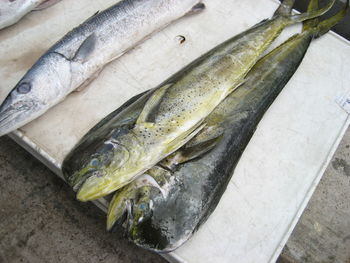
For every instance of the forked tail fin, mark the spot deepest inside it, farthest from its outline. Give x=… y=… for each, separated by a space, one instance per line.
x=310 y=14
x=313 y=5
x=324 y=26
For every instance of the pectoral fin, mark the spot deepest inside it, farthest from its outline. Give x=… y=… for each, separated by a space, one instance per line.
x=116 y=209
x=199 y=149
x=148 y=112
x=186 y=154
x=85 y=49
x=184 y=138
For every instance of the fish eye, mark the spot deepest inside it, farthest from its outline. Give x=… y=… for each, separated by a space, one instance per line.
x=24 y=88
x=143 y=206
x=95 y=162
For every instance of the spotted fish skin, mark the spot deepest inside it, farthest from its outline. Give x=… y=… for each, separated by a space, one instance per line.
x=169 y=202
x=195 y=187
x=176 y=110
x=164 y=212
x=75 y=60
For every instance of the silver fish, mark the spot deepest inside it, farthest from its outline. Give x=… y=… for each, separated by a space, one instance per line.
x=11 y=11
x=81 y=54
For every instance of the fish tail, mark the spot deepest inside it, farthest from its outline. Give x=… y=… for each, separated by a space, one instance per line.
x=324 y=26
x=285 y=8
x=309 y=24
x=310 y=14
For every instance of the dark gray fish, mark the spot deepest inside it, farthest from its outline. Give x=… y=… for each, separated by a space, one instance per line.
x=162 y=208
x=176 y=110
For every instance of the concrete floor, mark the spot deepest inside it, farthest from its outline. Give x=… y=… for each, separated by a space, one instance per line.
x=42 y=222
x=323 y=232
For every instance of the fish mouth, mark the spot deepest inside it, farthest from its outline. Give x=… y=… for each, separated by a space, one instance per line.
x=79 y=179
x=13 y=116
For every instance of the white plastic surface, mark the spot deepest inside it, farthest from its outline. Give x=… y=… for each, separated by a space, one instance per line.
x=282 y=164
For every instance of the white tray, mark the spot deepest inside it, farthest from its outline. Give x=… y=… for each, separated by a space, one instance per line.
x=282 y=164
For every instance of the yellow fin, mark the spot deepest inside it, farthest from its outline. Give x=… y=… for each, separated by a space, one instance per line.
x=184 y=138
x=116 y=209
x=186 y=154
x=152 y=104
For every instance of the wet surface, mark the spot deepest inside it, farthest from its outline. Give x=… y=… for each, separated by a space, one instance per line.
x=42 y=222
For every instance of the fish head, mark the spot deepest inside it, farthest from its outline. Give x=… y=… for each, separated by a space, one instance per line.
x=98 y=158
x=136 y=198
x=126 y=157
x=165 y=215
x=108 y=157
x=41 y=87
x=11 y=11
x=150 y=225
x=116 y=157
x=147 y=209
x=141 y=228
x=132 y=208
x=142 y=205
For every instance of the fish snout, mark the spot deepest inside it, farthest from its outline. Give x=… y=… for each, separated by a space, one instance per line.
x=13 y=114
x=79 y=178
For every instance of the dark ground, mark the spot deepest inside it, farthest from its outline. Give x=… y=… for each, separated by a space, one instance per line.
x=42 y=222
x=323 y=232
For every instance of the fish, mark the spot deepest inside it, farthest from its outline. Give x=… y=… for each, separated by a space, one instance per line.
x=75 y=60
x=11 y=11
x=177 y=108
x=162 y=208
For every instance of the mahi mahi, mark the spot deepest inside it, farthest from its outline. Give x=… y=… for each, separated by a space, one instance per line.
x=176 y=110
x=80 y=55
x=11 y=11
x=162 y=208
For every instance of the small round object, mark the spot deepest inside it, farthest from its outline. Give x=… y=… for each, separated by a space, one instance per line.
x=24 y=88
